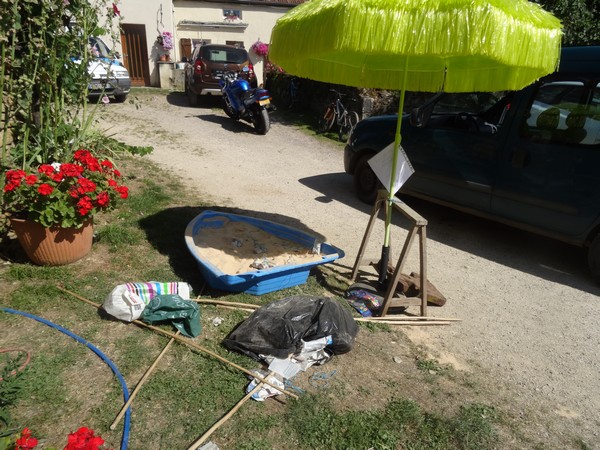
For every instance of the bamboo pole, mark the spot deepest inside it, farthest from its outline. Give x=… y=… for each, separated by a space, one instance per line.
x=226 y=417
x=224 y=303
x=236 y=308
x=415 y=318
x=412 y=323
x=186 y=342
x=141 y=383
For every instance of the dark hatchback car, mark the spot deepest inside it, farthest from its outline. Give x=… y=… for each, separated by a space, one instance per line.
x=207 y=65
x=529 y=159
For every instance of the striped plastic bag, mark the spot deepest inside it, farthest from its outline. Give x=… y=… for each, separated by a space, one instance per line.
x=127 y=301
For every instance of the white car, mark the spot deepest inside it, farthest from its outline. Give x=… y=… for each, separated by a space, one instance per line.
x=109 y=76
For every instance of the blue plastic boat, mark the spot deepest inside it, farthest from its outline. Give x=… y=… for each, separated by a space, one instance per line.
x=262 y=281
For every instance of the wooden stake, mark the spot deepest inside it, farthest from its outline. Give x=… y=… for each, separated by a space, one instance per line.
x=226 y=417
x=224 y=303
x=186 y=342
x=141 y=383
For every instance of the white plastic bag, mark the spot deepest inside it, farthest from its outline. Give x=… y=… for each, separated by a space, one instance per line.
x=127 y=301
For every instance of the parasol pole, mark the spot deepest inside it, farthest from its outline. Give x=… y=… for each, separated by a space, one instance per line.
x=385 y=250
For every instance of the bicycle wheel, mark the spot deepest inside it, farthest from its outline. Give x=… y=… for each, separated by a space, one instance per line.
x=348 y=124
x=327 y=120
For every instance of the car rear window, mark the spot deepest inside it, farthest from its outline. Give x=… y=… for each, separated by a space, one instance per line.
x=223 y=55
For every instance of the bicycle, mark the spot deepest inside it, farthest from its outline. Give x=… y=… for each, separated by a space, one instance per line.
x=336 y=113
x=286 y=92
x=290 y=94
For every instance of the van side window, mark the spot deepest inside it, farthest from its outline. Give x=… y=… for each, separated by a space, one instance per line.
x=564 y=112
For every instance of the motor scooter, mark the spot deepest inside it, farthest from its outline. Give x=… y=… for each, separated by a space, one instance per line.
x=240 y=102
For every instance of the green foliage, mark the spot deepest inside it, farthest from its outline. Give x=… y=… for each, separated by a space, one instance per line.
x=10 y=386
x=44 y=77
x=428 y=365
x=580 y=20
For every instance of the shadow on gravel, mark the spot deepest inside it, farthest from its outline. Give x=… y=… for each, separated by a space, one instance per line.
x=543 y=257
x=172 y=242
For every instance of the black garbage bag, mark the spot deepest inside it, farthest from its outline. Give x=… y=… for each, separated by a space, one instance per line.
x=278 y=328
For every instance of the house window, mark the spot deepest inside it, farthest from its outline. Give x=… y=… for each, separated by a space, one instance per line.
x=232 y=15
x=238 y=44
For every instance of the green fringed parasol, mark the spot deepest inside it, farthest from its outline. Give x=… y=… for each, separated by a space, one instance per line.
x=418 y=45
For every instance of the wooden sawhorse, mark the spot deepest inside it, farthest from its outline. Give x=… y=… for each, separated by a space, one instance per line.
x=419 y=224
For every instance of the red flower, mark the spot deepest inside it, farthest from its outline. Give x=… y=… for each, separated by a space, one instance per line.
x=123 y=191
x=73 y=192
x=15 y=176
x=83 y=439
x=57 y=176
x=26 y=442
x=30 y=180
x=112 y=183
x=85 y=157
x=10 y=187
x=71 y=170
x=84 y=205
x=116 y=10
x=45 y=189
x=86 y=185
x=46 y=169
x=117 y=173
x=103 y=199
x=106 y=163
x=82 y=155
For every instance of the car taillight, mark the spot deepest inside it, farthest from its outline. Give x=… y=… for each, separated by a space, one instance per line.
x=198 y=67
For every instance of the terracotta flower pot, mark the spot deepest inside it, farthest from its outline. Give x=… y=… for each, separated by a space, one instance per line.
x=53 y=246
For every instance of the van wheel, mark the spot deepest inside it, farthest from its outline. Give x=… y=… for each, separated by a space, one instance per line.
x=366 y=183
x=594 y=258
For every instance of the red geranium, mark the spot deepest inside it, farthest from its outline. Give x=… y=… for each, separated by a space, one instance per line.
x=84 y=439
x=64 y=194
x=45 y=189
x=26 y=442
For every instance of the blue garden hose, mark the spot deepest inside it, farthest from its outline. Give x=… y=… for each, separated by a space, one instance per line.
x=125 y=437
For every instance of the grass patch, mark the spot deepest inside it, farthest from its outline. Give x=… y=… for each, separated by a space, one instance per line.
x=400 y=424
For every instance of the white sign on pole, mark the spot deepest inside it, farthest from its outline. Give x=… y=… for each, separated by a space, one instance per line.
x=381 y=164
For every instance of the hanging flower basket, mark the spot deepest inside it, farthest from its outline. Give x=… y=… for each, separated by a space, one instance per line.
x=260 y=48
x=166 y=40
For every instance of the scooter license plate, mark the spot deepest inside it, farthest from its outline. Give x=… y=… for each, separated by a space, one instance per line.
x=264 y=102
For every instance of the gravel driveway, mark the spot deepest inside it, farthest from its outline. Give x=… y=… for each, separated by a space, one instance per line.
x=528 y=306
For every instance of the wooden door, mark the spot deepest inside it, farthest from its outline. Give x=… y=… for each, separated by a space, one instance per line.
x=186 y=48
x=135 y=53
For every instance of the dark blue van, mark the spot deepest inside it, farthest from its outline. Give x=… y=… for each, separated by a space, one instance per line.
x=530 y=159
